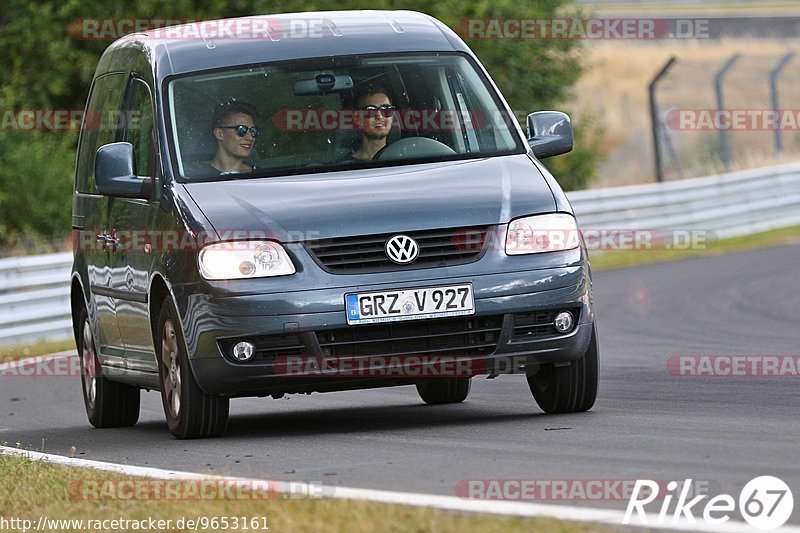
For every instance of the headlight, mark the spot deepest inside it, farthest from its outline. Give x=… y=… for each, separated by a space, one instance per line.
x=542 y=233
x=244 y=259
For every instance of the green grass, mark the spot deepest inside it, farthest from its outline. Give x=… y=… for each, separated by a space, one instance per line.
x=42 y=489
x=12 y=353
x=608 y=259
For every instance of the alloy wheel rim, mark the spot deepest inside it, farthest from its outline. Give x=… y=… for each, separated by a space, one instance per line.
x=171 y=369
x=88 y=362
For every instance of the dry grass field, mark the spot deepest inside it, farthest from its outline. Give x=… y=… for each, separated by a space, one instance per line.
x=699 y=7
x=615 y=88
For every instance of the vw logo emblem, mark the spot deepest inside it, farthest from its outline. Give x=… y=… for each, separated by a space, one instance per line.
x=402 y=249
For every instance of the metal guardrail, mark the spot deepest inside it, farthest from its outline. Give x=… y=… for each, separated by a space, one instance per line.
x=34 y=298
x=34 y=291
x=729 y=205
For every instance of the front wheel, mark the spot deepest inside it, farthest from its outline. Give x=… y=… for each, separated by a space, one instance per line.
x=190 y=412
x=567 y=389
x=444 y=390
x=108 y=404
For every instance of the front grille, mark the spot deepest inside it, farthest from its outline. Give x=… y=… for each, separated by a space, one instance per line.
x=448 y=336
x=539 y=323
x=365 y=254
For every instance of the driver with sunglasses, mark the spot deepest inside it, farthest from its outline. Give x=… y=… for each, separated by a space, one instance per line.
x=374 y=119
x=235 y=132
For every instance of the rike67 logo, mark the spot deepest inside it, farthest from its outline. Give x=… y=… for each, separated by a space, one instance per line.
x=765 y=503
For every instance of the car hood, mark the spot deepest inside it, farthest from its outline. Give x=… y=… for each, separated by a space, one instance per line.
x=372 y=201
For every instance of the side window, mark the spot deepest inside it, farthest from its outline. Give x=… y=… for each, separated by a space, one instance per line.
x=139 y=129
x=99 y=127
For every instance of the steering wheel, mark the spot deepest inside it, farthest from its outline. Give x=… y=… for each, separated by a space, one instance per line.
x=413 y=147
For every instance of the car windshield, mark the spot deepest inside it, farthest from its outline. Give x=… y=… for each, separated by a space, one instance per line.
x=334 y=114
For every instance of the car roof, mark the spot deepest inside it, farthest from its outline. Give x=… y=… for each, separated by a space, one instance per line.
x=251 y=40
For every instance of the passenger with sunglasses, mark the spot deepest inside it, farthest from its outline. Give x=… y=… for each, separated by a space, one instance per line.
x=235 y=132
x=374 y=112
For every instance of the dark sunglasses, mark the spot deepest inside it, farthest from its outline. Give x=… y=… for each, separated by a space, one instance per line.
x=241 y=130
x=384 y=110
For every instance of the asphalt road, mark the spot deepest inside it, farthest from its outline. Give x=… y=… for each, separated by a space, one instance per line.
x=646 y=423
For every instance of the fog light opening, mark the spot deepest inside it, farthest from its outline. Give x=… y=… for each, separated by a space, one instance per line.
x=564 y=322
x=243 y=351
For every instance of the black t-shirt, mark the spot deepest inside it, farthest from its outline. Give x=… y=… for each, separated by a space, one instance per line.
x=207 y=170
x=352 y=158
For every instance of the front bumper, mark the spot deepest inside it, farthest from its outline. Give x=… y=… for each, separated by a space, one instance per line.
x=310 y=313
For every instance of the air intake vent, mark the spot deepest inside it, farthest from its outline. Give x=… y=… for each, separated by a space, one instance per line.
x=449 y=336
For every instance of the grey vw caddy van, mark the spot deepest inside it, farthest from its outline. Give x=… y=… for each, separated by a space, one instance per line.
x=450 y=253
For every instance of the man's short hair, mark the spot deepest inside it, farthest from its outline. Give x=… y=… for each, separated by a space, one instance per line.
x=226 y=110
x=369 y=90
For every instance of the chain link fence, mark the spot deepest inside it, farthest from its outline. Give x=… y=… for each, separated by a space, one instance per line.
x=710 y=116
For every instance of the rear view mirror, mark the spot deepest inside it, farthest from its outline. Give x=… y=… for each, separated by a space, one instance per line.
x=549 y=133
x=323 y=83
x=114 y=173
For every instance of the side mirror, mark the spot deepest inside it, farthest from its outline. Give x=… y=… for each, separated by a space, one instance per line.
x=549 y=133
x=113 y=173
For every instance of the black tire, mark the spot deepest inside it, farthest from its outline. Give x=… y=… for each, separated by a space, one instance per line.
x=444 y=390
x=191 y=413
x=108 y=404
x=567 y=389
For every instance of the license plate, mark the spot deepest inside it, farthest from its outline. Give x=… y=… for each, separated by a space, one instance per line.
x=409 y=304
